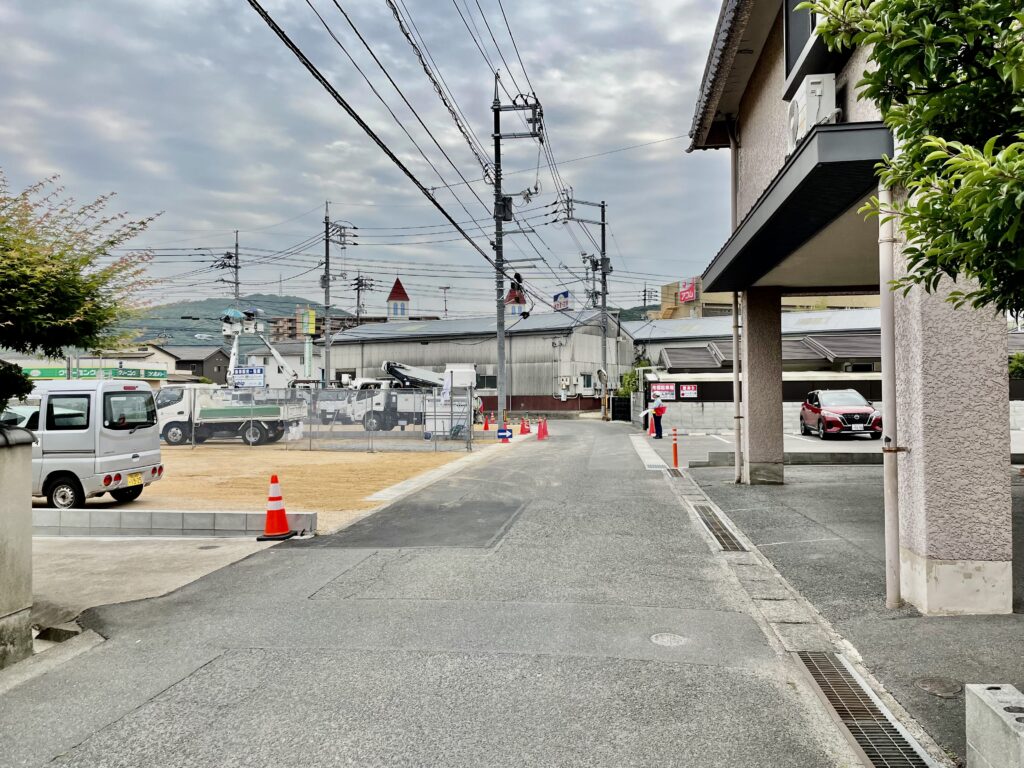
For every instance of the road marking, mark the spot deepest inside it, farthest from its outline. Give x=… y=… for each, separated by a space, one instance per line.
x=799 y=541
x=647 y=454
x=804 y=437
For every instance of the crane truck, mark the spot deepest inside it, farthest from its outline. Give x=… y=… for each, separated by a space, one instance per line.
x=202 y=411
x=403 y=399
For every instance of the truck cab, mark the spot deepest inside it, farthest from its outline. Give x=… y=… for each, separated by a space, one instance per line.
x=93 y=437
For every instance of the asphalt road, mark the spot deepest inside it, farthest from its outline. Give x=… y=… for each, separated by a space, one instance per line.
x=501 y=617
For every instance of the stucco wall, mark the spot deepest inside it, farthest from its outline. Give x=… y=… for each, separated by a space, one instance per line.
x=856 y=110
x=762 y=123
x=951 y=393
x=15 y=552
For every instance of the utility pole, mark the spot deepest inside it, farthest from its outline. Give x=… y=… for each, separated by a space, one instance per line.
x=326 y=282
x=503 y=213
x=230 y=260
x=361 y=284
x=444 y=292
x=604 y=264
x=238 y=266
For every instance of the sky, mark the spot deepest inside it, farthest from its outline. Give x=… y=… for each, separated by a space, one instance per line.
x=195 y=110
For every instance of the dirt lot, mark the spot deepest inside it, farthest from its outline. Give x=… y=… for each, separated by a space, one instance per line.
x=235 y=477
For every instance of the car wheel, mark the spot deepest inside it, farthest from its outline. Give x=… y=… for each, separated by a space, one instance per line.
x=65 y=493
x=803 y=427
x=176 y=433
x=253 y=433
x=124 y=495
x=821 y=430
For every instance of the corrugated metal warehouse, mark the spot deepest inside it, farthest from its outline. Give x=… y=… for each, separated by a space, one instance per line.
x=546 y=354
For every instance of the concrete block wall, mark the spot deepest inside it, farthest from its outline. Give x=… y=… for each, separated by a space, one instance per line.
x=995 y=726
x=141 y=522
x=15 y=546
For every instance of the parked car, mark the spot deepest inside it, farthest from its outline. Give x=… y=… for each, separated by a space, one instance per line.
x=93 y=437
x=828 y=412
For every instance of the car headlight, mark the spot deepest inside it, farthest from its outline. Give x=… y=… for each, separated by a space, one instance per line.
x=830 y=415
x=874 y=415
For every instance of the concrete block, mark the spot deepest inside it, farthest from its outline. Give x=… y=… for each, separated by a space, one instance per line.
x=72 y=530
x=45 y=517
x=198 y=520
x=46 y=530
x=76 y=518
x=230 y=521
x=134 y=532
x=130 y=519
x=164 y=520
x=104 y=518
x=164 y=532
x=995 y=726
x=205 y=532
x=255 y=521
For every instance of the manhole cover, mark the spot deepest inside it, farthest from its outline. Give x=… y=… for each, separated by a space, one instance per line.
x=943 y=687
x=667 y=638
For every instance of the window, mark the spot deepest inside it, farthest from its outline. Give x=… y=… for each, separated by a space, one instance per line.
x=67 y=412
x=799 y=26
x=588 y=380
x=166 y=397
x=486 y=382
x=128 y=410
x=840 y=398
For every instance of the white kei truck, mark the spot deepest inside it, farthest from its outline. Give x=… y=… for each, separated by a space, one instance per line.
x=92 y=437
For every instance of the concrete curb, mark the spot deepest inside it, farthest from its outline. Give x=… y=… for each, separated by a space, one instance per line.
x=727 y=458
x=162 y=522
x=47 y=660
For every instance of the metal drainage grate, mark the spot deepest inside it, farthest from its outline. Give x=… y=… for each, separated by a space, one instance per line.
x=674 y=472
x=718 y=529
x=884 y=745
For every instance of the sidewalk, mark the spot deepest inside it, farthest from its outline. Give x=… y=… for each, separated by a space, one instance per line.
x=824 y=532
x=555 y=605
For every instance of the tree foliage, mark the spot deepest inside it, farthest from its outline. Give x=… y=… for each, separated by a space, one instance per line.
x=60 y=283
x=948 y=78
x=630 y=380
x=1017 y=365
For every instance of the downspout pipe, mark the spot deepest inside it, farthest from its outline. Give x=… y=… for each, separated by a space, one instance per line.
x=890 y=444
x=737 y=417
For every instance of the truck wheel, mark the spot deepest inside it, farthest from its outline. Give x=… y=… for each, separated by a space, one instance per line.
x=124 y=495
x=325 y=417
x=253 y=433
x=372 y=422
x=176 y=433
x=65 y=493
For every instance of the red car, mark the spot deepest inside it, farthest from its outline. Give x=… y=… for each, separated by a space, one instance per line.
x=828 y=412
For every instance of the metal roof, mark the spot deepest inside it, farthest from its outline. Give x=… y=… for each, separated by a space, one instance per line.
x=284 y=347
x=696 y=356
x=848 y=345
x=483 y=325
x=793 y=323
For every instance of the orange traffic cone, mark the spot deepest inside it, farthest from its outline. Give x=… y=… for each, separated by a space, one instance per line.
x=523 y=429
x=487 y=424
x=650 y=424
x=505 y=439
x=276 y=527
x=540 y=428
x=544 y=428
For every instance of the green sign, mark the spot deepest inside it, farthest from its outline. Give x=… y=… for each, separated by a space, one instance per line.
x=109 y=372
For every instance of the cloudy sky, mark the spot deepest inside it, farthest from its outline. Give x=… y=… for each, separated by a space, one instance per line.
x=194 y=108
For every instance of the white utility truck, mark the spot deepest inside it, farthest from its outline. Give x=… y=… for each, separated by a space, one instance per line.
x=203 y=411
x=402 y=400
x=94 y=437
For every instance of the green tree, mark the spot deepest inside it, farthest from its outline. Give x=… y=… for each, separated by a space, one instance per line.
x=1017 y=365
x=629 y=383
x=60 y=282
x=948 y=78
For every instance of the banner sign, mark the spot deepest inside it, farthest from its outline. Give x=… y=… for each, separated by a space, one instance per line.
x=667 y=390
x=687 y=290
x=688 y=391
x=249 y=376
x=562 y=301
x=308 y=322
x=94 y=373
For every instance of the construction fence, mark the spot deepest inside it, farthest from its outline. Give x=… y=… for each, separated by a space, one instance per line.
x=398 y=419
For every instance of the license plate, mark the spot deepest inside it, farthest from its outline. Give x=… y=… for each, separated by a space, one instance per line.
x=135 y=478
x=857 y=427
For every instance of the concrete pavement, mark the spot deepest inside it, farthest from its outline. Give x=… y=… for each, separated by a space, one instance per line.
x=824 y=532
x=501 y=616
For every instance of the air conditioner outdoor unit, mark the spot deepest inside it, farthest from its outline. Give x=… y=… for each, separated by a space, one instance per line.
x=814 y=102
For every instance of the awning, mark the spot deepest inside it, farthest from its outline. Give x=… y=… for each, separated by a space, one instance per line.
x=821 y=185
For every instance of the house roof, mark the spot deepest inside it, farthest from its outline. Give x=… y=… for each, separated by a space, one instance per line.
x=398 y=292
x=483 y=325
x=187 y=352
x=826 y=321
